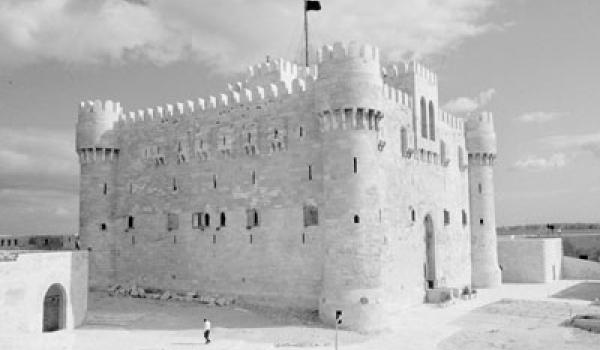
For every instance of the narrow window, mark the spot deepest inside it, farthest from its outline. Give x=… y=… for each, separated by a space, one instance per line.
x=46 y=241
x=214 y=181
x=130 y=188
x=250 y=239
x=223 y=219
x=355 y=165
x=431 y=121
x=102 y=227
x=253 y=177
x=480 y=188
x=206 y=220
x=413 y=215
x=303 y=238
x=174 y=239
x=423 y=118
x=16 y=242
x=8 y=240
x=223 y=140
x=249 y=138
x=252 y=219
x=311 y=215
x=255 y=218
x=446 y=217
x=132 y=240
x=464 y=218
x=172 y=222
x=275 y=133
x=105 y=188
x=175 y=187
x=301 y=132
x=481 y=221
x=403 y=142
x=214 y=239
x=310 y=172
x=2 y=243
x=130 y=222
x=356 y=219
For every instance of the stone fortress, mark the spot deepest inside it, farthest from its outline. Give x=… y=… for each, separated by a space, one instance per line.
x=339 y=186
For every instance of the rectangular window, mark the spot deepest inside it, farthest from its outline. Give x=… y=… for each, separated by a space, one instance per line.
x=105 y=188
x=480 y=188
x=130 y=222
x=253 y=177
x=446 y=217
x=132 y=240
x=311 y=215
x=172 y=221
x=214 y=181
x=355 y=165
x=197 y=220
x=310 y=172
x=481 y=221
x=252 y=218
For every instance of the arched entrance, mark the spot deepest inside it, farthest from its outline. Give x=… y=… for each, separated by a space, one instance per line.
x=54 y=308
x=429 y=252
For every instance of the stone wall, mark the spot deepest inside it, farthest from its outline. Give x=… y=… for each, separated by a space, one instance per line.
x=530 y=260
x=579 y=269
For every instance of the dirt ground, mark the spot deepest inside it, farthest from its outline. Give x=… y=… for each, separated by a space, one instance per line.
x=511 y=317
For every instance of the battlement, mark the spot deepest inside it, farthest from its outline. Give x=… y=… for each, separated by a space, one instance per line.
x=398 y=70
x=480 y=134
x=353 y=49
x=483 y=122
x=99 y=107
x=397 y=96
x=281 y=66
x=451 y=120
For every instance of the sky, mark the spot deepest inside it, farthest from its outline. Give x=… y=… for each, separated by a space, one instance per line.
x=534 y=63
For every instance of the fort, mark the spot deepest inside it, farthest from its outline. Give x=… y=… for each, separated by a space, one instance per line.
x=340 y=186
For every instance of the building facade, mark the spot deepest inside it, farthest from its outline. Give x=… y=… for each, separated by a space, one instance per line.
x=339 y=186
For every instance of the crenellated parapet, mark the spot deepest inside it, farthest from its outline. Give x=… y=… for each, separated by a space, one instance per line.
x=396 y=73
x=95 y=136
x=481 y=137
x=276 y=71
x=397 y=96
x=340 y=51
x=456 y=123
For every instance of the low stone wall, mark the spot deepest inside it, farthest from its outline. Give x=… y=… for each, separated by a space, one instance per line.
x=27 y=276
x=579 y=269
x=529 y=260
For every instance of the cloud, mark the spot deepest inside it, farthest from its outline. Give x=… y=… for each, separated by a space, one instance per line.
x=539 y=117
x=577 y=142
x=225 y=33
x=534 y=163
x=467 y=105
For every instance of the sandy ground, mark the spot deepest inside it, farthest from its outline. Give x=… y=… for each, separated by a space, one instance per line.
x=511 y=317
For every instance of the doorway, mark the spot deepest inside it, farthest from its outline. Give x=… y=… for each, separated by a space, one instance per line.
x=429 y=252
x=54 y=309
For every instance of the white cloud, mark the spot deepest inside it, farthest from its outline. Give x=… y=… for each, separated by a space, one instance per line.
x=535 y=163
x=225 y=33
x=578 y=142
x=467 y=105
x=538 y=117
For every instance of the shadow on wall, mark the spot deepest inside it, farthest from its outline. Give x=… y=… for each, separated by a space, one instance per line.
x=583 y=291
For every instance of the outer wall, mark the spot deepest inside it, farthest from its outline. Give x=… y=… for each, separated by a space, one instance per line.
x=530 y=260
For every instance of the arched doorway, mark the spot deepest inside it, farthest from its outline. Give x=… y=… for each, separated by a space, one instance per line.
x=429 y=252
x=54 y=308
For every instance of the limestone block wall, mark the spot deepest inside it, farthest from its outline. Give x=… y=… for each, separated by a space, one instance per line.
x=530 y=260
x=26 y=280
x=579 y=269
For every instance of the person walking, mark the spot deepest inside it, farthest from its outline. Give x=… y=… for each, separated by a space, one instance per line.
x=207 y=330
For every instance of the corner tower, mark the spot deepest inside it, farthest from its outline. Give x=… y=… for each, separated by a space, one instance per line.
x=481 y=146
x=98 y=151
x=348 y=101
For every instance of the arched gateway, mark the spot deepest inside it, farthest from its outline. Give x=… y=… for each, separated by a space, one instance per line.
x=429 y=252
x=54 y=308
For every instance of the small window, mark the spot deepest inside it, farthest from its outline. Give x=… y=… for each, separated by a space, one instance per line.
x=132 y=240
x=301 y=132
x=253 y=177
x=16 y=242
x=446 y=217
x=8 y=240
x=355 y=165
x=130 y=188
x=2 y=243
x=214 y=181
x=310 y=173
x=481 y=221
x=311 y=215
x=480 y=188
x=175 y=187
x=130 y=220
x=102 y=227
x=413 y=215
x=214 y=239
x=206 y=220
x=275 y=133
x=249 y=136
x=223 y=219
x=252 y=218
x=105 y=188
x=172 y=221
x=196 y=220
x=464 y=218
x=356 y=219
x=46 y=241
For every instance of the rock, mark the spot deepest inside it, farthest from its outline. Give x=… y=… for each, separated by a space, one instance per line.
x=165 y=296
x=221 y=302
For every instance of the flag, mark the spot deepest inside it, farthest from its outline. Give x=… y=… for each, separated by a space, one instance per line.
x=312 y=5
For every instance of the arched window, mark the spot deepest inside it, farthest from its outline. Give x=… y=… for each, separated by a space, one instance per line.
x=223 y=219
x=431 y=121
x=423 y=117
x=403 y=142
x=356 y=219
x=206 y=220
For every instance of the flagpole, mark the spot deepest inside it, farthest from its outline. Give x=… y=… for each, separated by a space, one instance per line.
x=305 y=33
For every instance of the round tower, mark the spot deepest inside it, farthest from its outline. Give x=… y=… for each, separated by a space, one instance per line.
x=481 y=147
x=98 y=150
x=348 y=99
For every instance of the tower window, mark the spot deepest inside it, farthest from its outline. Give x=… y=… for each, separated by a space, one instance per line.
x=423 y=118
x=480 y=188
x=175 y=187
x=249 y=138
x=200 y=220
x=431 y=121
x=130 y=221
x=403 y=142
x=446 y=217
x=172 y=221
x=311 y=215
x=206 y=220
x=413 y=214
x=252 y=218
x=481 y=221
x=214 y=181
x=223 y=220
x=132 y=240
x=356 y=219
x=102 y=227
x=310 y=172
x=355 y=165
x=253 y=177
x=105 y=188
x=301 y=132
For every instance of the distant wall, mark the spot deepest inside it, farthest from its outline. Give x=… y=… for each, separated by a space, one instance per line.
x=579 y=269
x=530 y=260
x=25 y=281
